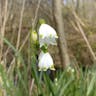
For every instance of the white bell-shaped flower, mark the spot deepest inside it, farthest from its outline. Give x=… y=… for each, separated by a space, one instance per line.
x=47 y=35
x=45 y=62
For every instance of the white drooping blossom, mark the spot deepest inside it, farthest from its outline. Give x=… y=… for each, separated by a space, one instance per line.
x=45 y=62
x=47 y=35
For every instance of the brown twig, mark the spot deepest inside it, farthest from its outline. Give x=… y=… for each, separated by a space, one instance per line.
x=20 y=25
x=80 y=29
x=31 y=87
x=12 y=65
x=87 y=42
x=3 y=27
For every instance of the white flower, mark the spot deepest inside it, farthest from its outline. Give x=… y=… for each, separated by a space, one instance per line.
x=45 y=62
x=47 y=35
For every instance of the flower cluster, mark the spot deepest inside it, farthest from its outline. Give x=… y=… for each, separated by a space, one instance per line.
x=47 y=36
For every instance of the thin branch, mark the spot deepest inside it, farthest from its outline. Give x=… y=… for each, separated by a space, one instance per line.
x=3 y=27
x=78 y=18
x=20 y=25
x=79 y=29
x=31 y=87
x=12 y=65
x=87 y=42
x=36 y=14
x=21 y=47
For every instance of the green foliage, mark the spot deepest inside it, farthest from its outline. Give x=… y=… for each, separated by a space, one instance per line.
x=67 y=83
x=44 y=48
x=64 y=83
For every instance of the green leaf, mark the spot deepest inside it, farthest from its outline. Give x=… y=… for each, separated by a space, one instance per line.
x=91 y=85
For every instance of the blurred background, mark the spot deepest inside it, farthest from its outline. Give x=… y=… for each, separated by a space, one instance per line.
x=75 y=19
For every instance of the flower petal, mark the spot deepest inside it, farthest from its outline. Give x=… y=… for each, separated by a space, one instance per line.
x=52 y=68
x=47 y=35
x=45 y=61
